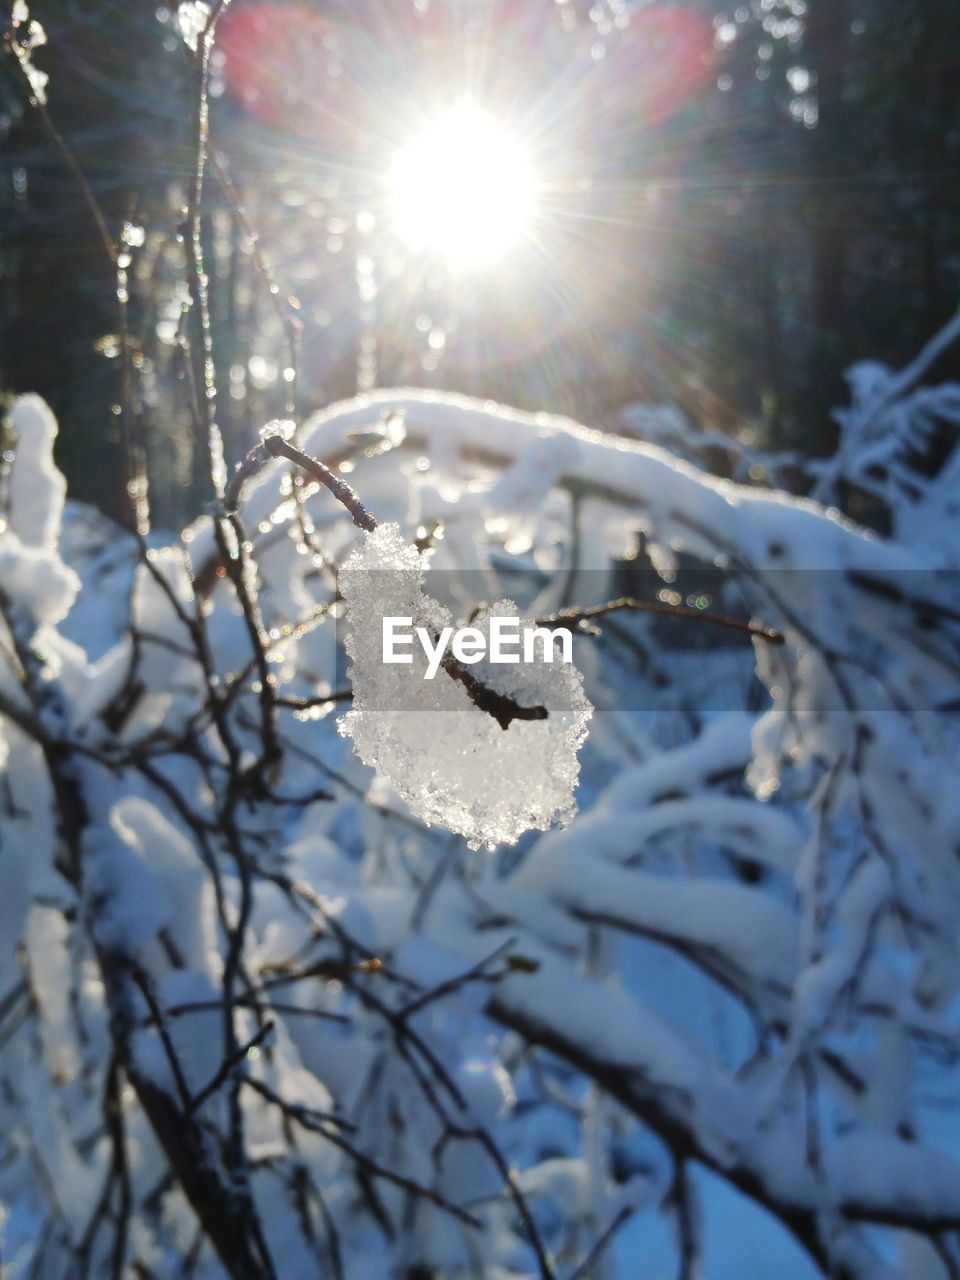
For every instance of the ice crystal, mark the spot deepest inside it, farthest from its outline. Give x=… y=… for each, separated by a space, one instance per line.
x=450 y=761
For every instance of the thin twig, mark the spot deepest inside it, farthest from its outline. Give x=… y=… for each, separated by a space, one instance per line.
x=309 y=1119
x=228 y=1064
x=583 y=1270
x=571 y=617
x=275 y=445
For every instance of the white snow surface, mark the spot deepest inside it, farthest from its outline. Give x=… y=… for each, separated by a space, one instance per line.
x=739 y=919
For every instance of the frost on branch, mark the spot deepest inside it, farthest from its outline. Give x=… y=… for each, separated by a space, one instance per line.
x=192 y=19
x=449 y=760
x=27 y=35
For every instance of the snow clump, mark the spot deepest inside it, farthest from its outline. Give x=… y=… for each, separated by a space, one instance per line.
x=450 y=761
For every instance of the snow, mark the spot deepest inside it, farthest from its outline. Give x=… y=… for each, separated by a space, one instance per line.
x=739 y=925
x=43 y=587
x=655 y=487
x=180 y=876
x=706 y=908
x=899 y=1176
x=126 y=901
x=445 y=757
x=31 y=572
x=36 y=487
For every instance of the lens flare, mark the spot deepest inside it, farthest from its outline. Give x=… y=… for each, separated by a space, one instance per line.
x=463 y=190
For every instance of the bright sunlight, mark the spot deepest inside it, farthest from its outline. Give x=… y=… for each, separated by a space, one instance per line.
x=464 y=189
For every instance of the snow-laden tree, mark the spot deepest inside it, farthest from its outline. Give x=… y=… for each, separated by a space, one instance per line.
x=258 y=1019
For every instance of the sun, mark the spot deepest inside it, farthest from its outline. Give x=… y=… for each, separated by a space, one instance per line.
x=463 y=190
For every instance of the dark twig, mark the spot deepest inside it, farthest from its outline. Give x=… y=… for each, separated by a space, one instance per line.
x=158 y=1017
x=476 y=973
x=227 y=1066
x=500 y=706
x=309 y=1119
x=583 y=1270
x=572 y=617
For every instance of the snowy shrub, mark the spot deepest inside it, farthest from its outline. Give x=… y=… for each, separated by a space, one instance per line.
x=898 y=443
x=258 y=1019
x=896 y=465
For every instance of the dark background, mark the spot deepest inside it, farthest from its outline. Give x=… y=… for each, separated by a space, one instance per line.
x=744 y=199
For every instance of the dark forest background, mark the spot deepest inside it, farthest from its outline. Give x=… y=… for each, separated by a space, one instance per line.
x=744 y=201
